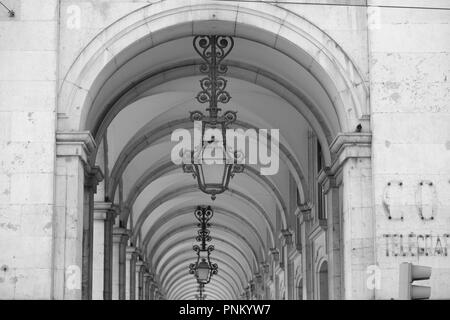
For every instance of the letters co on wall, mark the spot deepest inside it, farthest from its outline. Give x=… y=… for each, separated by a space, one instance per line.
x=402 y=203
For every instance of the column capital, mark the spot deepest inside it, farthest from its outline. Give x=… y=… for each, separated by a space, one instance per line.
x=286 y=236
x=274 y=253
x=127 y=235
x=104 y=210
x=92 y=176
x=326 y=179
x=75 y=144
x=305 y=210
x=137 y=252
x=148 y=276
x=119 y=234
x=350 y=145
x=265 y=267
x=126 y=210
x=130 y=251
x=147 y=265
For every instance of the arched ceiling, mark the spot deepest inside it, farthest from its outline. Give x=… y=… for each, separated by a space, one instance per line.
x=135 y=83
x=158 y=89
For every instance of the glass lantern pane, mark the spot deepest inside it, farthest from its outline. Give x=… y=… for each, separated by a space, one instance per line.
x=213 y=174
x=203 y=275
x=202 y=272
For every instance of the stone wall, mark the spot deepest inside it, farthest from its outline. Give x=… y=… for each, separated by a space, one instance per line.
x=410 y=94
x=403 y=55
x=28 y=74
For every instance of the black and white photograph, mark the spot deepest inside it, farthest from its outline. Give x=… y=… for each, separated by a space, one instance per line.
x=242 y=151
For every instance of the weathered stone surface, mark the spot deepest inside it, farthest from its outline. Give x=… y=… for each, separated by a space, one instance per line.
x=388 y=70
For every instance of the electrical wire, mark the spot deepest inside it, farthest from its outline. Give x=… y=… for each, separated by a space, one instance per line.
x=11 y=12
x=340 y=4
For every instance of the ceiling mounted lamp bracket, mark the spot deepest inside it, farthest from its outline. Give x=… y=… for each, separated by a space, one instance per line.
x=203 y=269
x=200 y=290
x=213 y=173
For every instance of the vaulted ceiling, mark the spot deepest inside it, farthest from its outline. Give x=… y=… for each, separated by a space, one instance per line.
x=155 y=91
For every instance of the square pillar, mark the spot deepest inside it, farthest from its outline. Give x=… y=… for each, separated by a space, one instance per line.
x=91 y=179
x=142 y=282
x=138 y=282
x=147 y=285
x=123 y=265
x=332 y=205
x=120 y=236
x=352 y=152
x=108 y=257
x=259 y=286
x=72 y=152
x=152 y=290
x=265 y=268
x=307 y=269
x=289 y=266
x=104 y=215
x=156 y=294
x=130 y=272
x=252 y=289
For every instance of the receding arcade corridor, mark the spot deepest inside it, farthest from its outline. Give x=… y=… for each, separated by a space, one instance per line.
x=341 y=174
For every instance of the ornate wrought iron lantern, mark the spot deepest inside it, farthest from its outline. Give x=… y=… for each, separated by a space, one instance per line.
x=203 y=269
x=212 y=163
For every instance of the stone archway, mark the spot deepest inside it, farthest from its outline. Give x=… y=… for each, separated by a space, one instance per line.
x=296 y=37
x=86 y=105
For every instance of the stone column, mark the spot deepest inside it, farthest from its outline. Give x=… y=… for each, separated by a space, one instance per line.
x=307 y=271
x=147 y=284
x=99 y=253
x=157 y=295
x=332 y=207
x=152 y=290
x=108 y=258
x=289 y=267
x=104 y=215
x=118 y=256
x=142 y=283
x=353 y=163
x=274 y=262
x=265 y=278
x=252 y=289
x=259 y=286
x=123 y=266
x=138 y=284
x=72 y=152
x=130 y=272
x=91 y=179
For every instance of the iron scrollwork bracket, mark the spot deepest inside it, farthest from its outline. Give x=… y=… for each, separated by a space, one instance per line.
x=213 y=50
